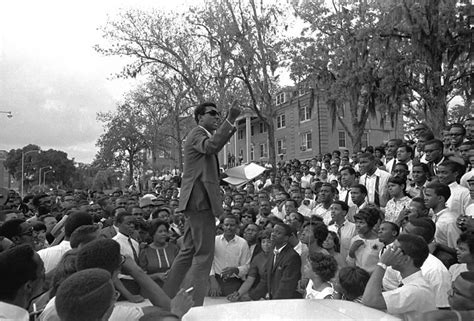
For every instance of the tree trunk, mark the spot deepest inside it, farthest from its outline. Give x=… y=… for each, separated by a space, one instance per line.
x=179 y=144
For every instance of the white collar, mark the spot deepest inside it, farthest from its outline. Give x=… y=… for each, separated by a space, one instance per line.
x=13 y=312
x=207 y=132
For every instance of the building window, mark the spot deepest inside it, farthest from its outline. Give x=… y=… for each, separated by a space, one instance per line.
x=281 y=121
x=342 y=139
x=281 y=146
x=306 y=143
x=280 y=99
x=365 y=140
x=305 y=113
x=252 y=130
x=252 y=152
x=301 y=91
x=263 y=150
x=240 y=134
x=263 y=127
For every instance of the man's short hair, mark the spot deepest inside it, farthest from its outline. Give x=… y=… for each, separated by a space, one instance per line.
x=343 y=205
x=423 y=166
x=361 y=188
x=459 y=125
x=423 y=227
x=85 y=295
x=82 y=235
x=407 y=147
x=415 y=247
x=369 y=156
x=76 y=219
x=120 y=217
x=440 y=189
x=397 y=141
x=17 y=266
x=438 y=143
x=353 y=280
x=349 y=169
x=201 y=109
x=394 y=227
x=286 y=227
x=103 y=253
x=11 y=228
x=427 y=135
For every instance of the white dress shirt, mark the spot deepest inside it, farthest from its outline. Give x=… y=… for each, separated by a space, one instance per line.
x=233 y=253
x=52 y=255
x=323 y=212
x=370 y=181
x=447 y=233
x=412 y=299
x=435 y=273
x=459 y=200
x=125 y=248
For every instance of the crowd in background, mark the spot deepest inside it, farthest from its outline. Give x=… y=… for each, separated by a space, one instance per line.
x=390 y=227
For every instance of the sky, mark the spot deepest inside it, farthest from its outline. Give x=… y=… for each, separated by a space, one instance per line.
x=51 y=78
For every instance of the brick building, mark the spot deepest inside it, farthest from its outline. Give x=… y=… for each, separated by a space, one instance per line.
x=303 y=129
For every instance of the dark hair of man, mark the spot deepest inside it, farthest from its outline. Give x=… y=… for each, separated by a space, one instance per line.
x=17 y=267
x=349 y=169
x=454 y=167
x=423 y=166
x=155 y=224
x=397 y=141
x=459 y=125
x=231 y=217
x=325 y=266
x=438 y=143
x=468 y=239
x=83 y=235
x=201 y=109
x=421 y=202
x=407 y=147
x=337 y=243
x=423 y=227
x=333 y=190
x=381 y=149
x=427 y=135
x=415 y=247
x=85 y=295
x=37 y=198
x=361 y=188
x=76 y=219
x=353 y=280
x=440 y=189
x=394 y=227
x=286 y=227
x=38 y=226
x=320 y=231
x=102 y=253
x=120 y=217
x=11 y=228
x=403 y=165
x=370 y=215
x=343 y=205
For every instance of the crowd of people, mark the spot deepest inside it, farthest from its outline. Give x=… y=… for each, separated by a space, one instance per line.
x=390 y=227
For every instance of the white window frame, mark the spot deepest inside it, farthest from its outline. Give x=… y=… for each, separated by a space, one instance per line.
x=281 y=149
x=280 y=98
x=343 y=138
x=306 y=114
x=305 y=143
x=281 y=121
x=263 y=150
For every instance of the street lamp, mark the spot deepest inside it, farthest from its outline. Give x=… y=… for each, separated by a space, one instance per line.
x=39 y=176
x=23 y=153
x=9 y=113
x=44 y=176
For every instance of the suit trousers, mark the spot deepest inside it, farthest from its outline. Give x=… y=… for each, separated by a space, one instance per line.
x=196 y=255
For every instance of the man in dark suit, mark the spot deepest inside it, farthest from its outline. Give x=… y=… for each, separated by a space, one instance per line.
x=200 y=199
x=283 y=268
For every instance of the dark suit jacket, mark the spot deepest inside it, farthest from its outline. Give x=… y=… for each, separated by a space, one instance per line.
x=281 y=279
x=200 y=183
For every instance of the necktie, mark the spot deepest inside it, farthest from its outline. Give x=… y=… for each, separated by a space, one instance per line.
x=422 y=189
x=376 y=194
x=135 y=255
x=347 y=196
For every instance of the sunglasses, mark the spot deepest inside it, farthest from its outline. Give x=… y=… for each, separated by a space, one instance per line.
x=213 y=113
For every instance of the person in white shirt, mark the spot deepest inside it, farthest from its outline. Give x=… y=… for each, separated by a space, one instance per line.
x=465 y=255
x=433 y=269
x=374 y=179
x=405 y=155
x=326 y=197
x=21 y=278
x=52 y=255
x=345 y=229
x=306 y=177
x=414 y=296
x=231 y=260
x=448 y=171
x=391 y=153
x=447 y=232
x=348 y=178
